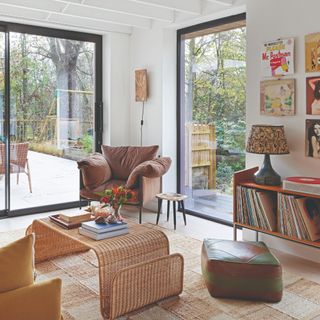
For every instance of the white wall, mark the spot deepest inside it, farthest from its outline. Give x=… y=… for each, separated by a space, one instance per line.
x=270 y=20
x=146 y=53
x=155 y=50
x=116 y=84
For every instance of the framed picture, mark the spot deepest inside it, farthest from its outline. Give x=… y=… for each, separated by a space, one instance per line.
x=277 y=97
x=312 y=52
x=313 y=95
x=312 y=138
x=277 y=58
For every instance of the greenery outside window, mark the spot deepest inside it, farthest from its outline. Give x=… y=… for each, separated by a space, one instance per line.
x=211 y=99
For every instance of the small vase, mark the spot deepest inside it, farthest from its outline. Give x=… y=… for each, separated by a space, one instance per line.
x=117 y=213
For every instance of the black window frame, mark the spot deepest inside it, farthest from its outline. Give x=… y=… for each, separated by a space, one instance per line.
x=97 y=39
x=180 y=113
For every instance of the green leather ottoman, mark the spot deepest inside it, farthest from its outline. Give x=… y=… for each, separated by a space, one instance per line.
x=242 y=270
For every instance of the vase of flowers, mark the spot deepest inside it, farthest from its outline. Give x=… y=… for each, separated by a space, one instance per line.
x=116 y=197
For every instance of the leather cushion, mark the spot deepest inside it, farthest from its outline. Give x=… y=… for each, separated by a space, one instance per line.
x=245 y=270
x=17 y=264
x=123 y=160
x=151 y=169
x=95 y=171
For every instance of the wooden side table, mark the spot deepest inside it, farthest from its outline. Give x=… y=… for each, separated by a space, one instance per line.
x=174 y=197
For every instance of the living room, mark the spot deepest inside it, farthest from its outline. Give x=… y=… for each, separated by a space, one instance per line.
x=154 y=48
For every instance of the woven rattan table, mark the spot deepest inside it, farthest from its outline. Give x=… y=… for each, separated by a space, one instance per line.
x=135 y=269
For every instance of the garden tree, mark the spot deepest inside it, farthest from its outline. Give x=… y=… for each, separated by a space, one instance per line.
x=40 y=65
x=64 y=54
x=218 y=95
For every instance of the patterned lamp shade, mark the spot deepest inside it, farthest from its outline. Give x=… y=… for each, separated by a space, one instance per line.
x=267 y=139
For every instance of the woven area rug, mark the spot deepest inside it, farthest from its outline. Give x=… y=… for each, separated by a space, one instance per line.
x=80 y=300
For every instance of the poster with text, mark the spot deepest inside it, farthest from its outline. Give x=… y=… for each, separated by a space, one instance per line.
x=312 y=52
x=277 y=58
x=277 y=97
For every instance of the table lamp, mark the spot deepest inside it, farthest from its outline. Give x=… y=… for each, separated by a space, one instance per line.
x=267 y=140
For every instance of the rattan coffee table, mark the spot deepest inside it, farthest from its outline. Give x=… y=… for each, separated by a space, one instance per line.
x=135 y=269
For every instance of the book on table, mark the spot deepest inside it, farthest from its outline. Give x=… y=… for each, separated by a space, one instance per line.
x=104 y=235
x=103 y=228
x=75 y=217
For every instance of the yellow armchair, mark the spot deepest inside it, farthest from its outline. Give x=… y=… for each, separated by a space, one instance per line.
x=20 y=297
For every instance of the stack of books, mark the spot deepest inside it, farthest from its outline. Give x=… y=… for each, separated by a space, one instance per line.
x=97 y=231
x=70 y=220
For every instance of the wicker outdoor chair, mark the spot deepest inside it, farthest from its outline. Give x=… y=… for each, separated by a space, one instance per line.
x=18 y=160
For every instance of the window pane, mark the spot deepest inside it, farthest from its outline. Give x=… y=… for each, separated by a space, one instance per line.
x=213 y=113
x=52 y=117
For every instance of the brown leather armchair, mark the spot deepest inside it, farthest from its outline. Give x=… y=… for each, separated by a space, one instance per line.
x=136 y=168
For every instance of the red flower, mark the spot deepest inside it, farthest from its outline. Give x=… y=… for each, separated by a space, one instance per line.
x=105 y=199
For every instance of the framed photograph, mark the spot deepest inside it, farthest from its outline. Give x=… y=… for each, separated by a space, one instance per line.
x=312 y=52
x=277 y=97
x=277 y=58
x=313 y=138
x=313 y=95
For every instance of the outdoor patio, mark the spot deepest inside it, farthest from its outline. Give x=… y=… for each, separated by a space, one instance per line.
x=54 y=180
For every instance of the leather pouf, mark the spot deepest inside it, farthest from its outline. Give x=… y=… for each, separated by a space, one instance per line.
x=242 y=270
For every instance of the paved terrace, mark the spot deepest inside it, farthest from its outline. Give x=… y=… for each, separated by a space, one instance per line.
x=53 y=179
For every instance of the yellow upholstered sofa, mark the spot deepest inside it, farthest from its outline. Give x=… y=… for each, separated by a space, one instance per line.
x=20 y=297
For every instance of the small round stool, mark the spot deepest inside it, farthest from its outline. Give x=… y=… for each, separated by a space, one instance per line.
x=174 y=197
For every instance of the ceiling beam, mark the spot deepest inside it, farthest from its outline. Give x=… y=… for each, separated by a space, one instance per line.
x=89 y=24
x=44 y=5
x=193 y=7
x=76 y=10
x=48 y=7
x=127 y=7
x=27 y=15
x=227 y=3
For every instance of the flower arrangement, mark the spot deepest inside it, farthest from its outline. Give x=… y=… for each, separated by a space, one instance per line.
x=116 y=197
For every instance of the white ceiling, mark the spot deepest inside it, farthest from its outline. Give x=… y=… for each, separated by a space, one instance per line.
x=103 y=16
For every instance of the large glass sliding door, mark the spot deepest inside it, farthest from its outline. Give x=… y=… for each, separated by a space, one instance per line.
x=54 y=115
x=2 y=125
x=211 y=81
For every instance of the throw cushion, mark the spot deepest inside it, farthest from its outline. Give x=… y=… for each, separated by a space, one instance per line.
x=37 y=302
x=95 y=171
x=150 y=169
x=123 y=160
x=17 y=264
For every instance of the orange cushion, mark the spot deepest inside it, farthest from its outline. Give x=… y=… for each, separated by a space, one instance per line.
x=40 y=301
x=17 y=264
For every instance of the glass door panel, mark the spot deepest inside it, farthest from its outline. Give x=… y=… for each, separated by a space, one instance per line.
x=212 y=117
x=2 y=123
x=52 y=101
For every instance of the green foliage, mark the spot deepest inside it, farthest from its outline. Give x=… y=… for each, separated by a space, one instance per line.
x=87 y=143
x=215 y=80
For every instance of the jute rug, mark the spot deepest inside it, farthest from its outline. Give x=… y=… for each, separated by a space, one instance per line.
x=80 y=300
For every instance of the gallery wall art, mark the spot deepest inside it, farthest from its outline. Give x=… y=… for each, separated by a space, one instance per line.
x=277 y=58
x=312 y=52
x=313 y=95
x=277 y=97
x=312 y=138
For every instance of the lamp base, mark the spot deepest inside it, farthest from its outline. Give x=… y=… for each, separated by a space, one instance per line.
x=266 y=175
